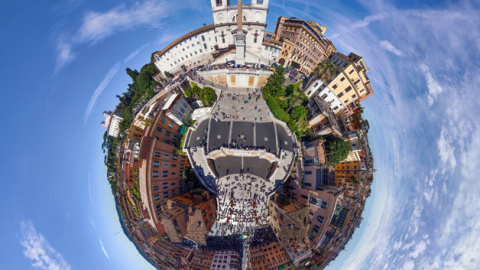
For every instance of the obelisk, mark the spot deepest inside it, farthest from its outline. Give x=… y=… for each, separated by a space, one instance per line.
x=240 y=37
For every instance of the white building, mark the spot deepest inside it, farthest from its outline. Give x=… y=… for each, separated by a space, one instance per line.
x=318 y=88
x=355 y=147
x=271 y=49
x=177 y=108
x=112 y=122
x=202 y=46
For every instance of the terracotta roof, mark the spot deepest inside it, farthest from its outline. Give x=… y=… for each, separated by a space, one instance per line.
x=198 y=31
x=182 y=38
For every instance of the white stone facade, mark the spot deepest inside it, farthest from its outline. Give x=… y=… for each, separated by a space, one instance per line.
x=196 y=48
x=112 y=123
x=318 y=88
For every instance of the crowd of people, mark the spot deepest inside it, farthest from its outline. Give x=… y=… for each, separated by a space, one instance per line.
x=243 y=200
x=222 y=111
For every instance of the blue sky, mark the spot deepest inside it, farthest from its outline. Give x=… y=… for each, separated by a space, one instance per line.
x=64 y=62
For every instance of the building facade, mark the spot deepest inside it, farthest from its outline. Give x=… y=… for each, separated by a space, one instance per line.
x=289 y=222
x=204 y=45
x=189 y=215
x=351 y=85
x=225 y=259
x=304 y=45
x=112 y=122
x=161 y=173
x=269 y=256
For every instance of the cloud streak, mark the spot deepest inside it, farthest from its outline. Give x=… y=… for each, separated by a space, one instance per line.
x=103 y=249
x=389 y=47
x=38 y=250
x=111 y=73
x=96 y=26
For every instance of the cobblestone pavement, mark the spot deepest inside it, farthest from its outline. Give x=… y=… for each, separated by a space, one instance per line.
x=242 y=105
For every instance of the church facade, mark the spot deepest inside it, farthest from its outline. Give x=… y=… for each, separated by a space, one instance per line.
x=216 y=43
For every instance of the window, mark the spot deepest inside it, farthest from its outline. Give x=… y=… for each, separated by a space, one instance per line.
x=324 y=96
x=170 y=125
x=316 y=228
x=340 y=95
x=362 y=90
x=324 y=205
x=303 y=196
x=335 y=86
x=156 y=164
x=172 y=184
x=336 y=107
x=165 y=155
x=174 y=137
x=159 y=129
x=173 y=173
x=165 y=164
x=311 y=238
x=159 y=207
x=308 y=184
x=342 y=79
x=175 y=157
x=165 y=194
x=158 y=154
x=167 y=133
x=203 y=38
x=156 y=197
x=346 y=101
x=162 y=120
x=308 y=172
x=348 y=89
x=164 y=173
x=357 y=81
x=156 y=187
x=174 y=165
x=180 y=182
x=181 y=166
x=320 y=219
x=183 y=158
x=165 y=185
x=174 y=192
x=351 y=71
x=155 y=174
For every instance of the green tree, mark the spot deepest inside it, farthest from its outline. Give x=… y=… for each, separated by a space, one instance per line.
x=337 y=150
x=289 y=90
x=274 y=85
x=299 y=113
x=326 y=71
x=189 y=92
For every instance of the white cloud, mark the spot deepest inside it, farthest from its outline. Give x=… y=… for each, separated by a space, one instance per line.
x=111 y=73
x=96 y=26
x=38 y=251
x=65 y=54
x=103 y=249
x=434 y=89
x=134 y=53
x=419 y=249
x=446 y=150
x=389 y=47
